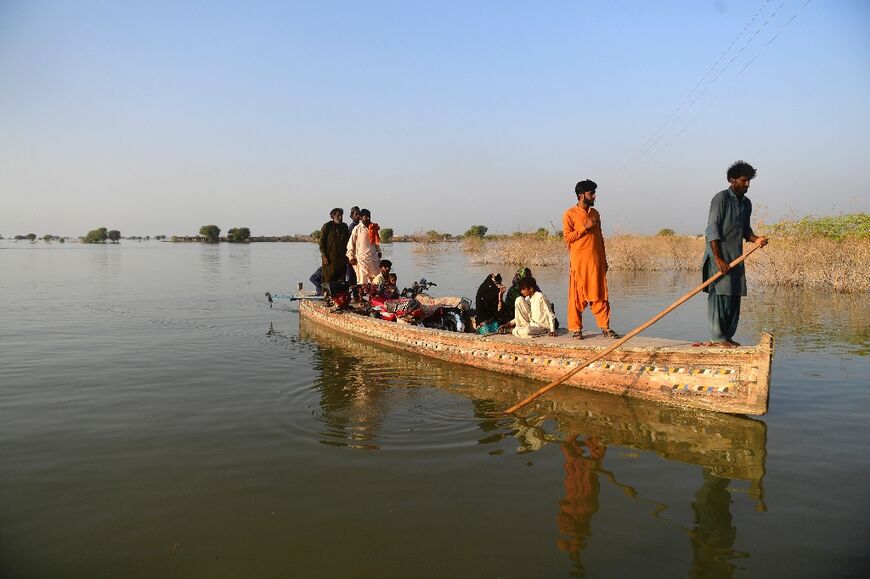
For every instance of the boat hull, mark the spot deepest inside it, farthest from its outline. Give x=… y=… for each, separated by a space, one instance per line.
x=730 y=380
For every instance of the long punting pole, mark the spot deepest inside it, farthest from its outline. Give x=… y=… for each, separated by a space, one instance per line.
x=631 y=334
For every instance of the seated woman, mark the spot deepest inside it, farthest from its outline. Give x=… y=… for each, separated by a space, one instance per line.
x=533 y=312
x=489 y=304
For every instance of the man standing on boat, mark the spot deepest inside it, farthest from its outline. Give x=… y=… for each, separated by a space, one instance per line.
x=587 y=284
x=727 y=226
x=333 y=240
x=351 y=272
x=364 y=248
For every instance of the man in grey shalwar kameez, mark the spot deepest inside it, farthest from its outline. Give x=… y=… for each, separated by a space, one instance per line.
x=727 y=226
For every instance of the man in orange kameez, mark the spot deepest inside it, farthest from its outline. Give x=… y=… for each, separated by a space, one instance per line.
x=587 y=285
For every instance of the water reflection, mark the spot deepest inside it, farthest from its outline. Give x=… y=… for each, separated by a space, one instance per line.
x=350 y=400
x=713 y=533
x=729 y=451
x=711 y=536
x=813 y=321
x=582 y=487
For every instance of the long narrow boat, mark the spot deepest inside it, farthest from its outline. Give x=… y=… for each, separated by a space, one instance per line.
x=733 y=447
x=730 y=380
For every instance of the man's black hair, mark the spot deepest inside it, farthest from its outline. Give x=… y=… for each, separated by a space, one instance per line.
x=386 y=263
x=584 y=186
x=336 y=211
x=354 y=208
x=365 y=212
x=741 y=169
x=528 y=282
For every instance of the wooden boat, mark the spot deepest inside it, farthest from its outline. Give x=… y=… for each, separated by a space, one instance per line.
x=732 y=447
x=730 y=380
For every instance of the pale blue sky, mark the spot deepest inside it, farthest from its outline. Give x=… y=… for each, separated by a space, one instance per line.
x=158 y=117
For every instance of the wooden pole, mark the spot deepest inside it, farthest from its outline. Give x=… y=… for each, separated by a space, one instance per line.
x=631 y=334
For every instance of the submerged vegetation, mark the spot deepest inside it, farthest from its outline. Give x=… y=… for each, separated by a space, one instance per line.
x=824 y=253
x=101 y=234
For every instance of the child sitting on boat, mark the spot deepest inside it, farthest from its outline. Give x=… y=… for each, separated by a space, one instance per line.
x=533 y=314
x=390 y=289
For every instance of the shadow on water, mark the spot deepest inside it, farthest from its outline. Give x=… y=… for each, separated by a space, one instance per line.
x=730 y=451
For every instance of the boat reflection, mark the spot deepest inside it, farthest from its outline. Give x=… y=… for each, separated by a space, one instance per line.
x=729 y=450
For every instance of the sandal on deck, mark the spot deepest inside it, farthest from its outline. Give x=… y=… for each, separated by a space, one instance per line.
x=577 y=335
x=608 y=333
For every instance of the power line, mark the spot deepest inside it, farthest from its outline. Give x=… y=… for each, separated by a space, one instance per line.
x=775 y=36
x=655 y=136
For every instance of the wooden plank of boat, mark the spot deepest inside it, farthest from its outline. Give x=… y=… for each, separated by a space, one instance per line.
x=730 y=380
x=733 y=447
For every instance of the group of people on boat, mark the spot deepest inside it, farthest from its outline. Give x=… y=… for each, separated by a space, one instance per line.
x=352 y=255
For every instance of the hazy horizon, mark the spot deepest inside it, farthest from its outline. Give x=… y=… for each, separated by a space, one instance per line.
x=157 y=118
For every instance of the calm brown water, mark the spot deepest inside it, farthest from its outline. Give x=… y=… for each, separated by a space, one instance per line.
x=157 y=419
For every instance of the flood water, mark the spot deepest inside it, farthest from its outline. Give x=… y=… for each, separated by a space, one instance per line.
x=158 y=419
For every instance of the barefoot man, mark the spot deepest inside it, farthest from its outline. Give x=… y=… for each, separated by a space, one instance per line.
x=727 y=226
x=587 y=284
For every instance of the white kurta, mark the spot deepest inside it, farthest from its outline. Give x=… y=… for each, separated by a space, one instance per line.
x=365 y=252
x=533 y=316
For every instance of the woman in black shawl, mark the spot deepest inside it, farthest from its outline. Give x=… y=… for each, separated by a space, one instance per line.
x=333 y=247
x=488 y=303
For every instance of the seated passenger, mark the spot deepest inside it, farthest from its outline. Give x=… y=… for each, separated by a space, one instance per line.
x=489 y=302
x=383 y=276
x=391 y=289
x=533 y=312
x=514 y=292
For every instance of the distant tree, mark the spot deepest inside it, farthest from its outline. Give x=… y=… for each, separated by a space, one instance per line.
x=114 y=235
x=315 y=235
x=212 y=233
x=542 y=233
x=97 y=235
x=666 y=232
x=386 y=234
x=31 y=236
x=476 y=231
x=47 y=237
x=239 y=234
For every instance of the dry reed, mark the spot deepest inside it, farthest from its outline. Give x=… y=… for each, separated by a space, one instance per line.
x=816 y=263
x=809 y=261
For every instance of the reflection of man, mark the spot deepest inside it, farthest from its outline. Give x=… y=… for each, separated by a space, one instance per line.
x=727 y=226
x=587 y=285
x=581 y=496
x=713 y=535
